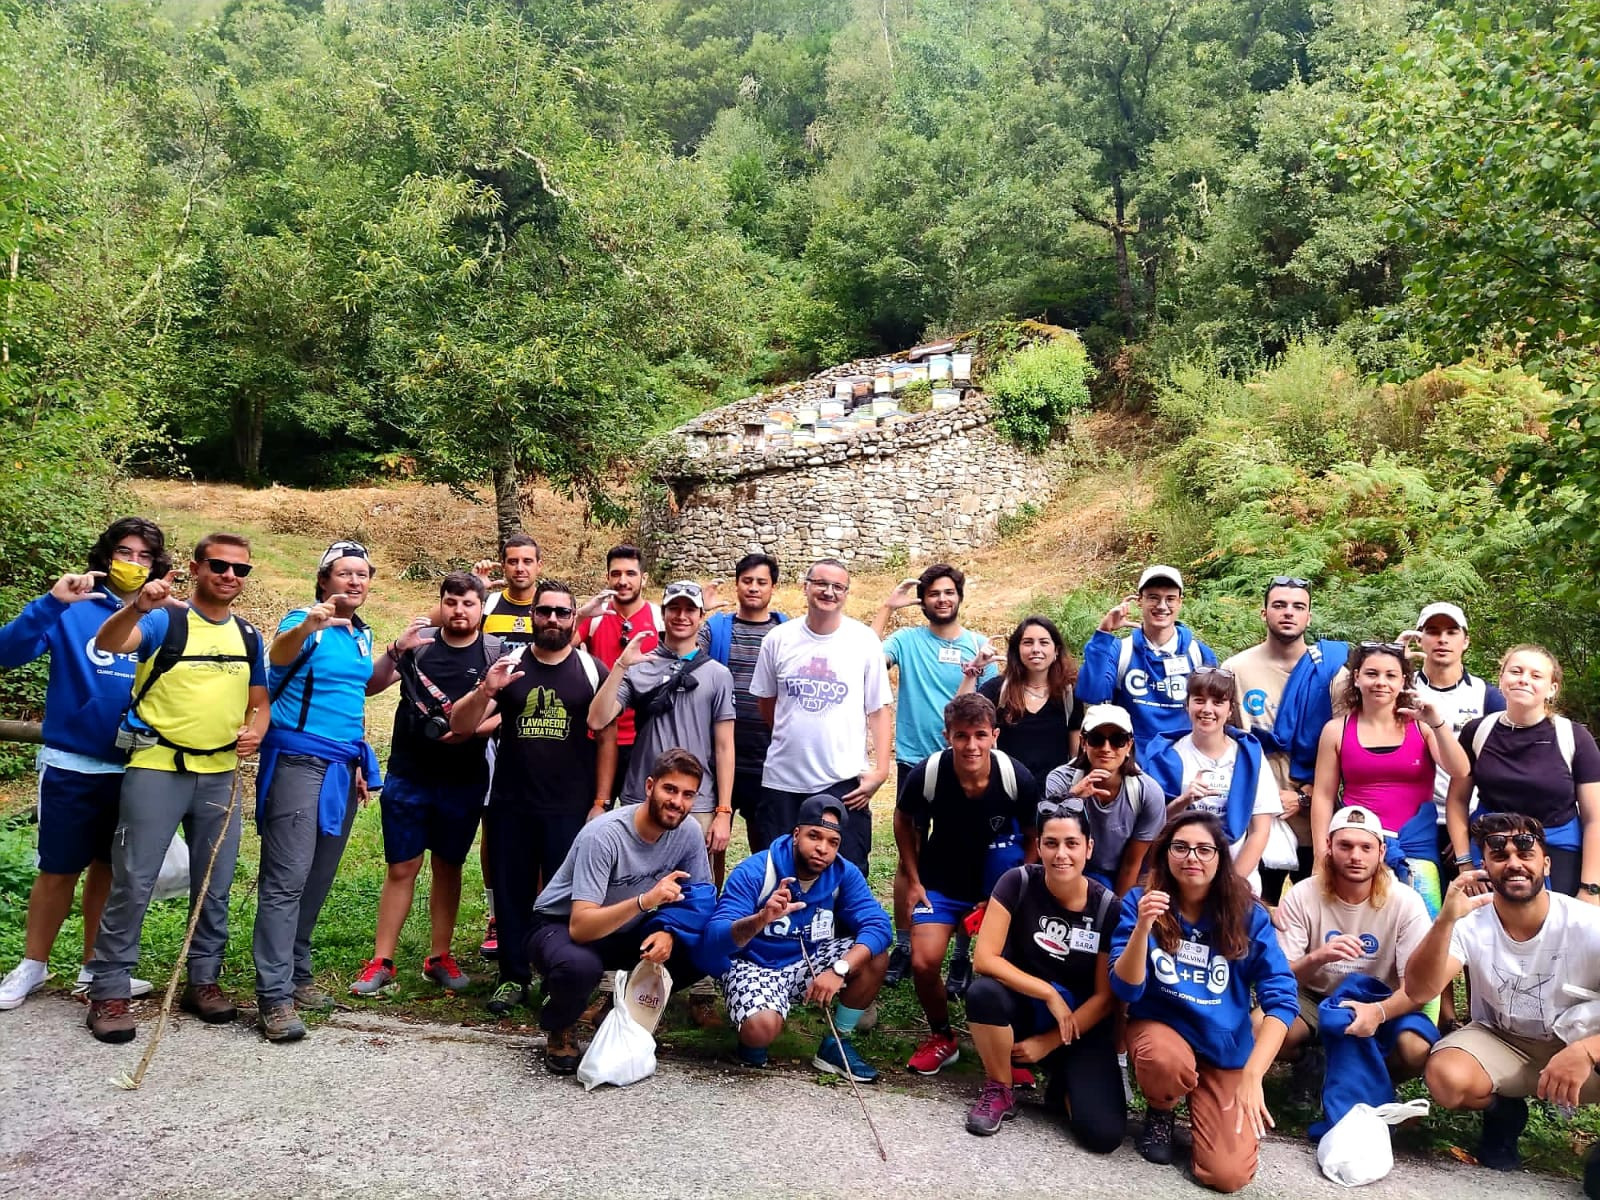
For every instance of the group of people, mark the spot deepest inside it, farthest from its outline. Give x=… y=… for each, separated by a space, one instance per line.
x=1199 y=868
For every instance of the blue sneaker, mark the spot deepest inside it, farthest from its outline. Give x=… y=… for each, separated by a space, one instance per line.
x=752 y=1058
x=838 y=1056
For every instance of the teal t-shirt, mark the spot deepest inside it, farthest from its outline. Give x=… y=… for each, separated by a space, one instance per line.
x=930 y=673
x=328 y=694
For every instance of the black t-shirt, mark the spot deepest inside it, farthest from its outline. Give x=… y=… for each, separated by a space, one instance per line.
x=1522 y=771
x=545 y=759
x=1050 y=941
x=1039 y=739
x=455 y=671
x=962 y=826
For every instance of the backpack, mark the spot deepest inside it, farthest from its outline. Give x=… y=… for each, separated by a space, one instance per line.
x=1125 y=656
x=1008 y=774
x=413 y=681
x=307 y=648
x=168 y=655
x=1563 y=726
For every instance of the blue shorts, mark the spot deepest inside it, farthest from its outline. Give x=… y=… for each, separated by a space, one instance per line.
x=77 y=818
x=441 y=818
x=942 y=910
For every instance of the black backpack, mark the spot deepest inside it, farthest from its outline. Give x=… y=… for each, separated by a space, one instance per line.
x=170 y=654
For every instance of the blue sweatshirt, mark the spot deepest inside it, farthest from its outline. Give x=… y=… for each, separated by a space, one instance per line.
x=838 y=904
x=1204 y=997
x=1154 y=687
x=88 y=688
x=1161 y=762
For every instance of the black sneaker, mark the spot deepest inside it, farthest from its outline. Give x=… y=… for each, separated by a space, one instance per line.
x=959 y=980
x=899 y=965
x=506 y=997
x=1154 y=1142
x=1503 y=1123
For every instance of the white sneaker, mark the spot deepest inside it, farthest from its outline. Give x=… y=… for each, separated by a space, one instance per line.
x=136 y=987
x=22 y=982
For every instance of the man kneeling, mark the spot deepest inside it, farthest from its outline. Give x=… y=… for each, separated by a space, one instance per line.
x=600 y=910
x=803 y=925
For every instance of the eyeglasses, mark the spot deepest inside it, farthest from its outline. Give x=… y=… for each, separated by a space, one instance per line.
x=221 y=566
x=827 y=588
x=1288 y=581
x=560 y=612
x=1117 y=739
x=1204 y=852
x=1496 y=843
x=142 y=557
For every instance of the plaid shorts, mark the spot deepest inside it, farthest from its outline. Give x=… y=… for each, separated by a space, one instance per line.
x=748 y=988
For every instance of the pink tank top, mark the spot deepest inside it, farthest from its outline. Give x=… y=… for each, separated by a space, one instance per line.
x=1392 y=783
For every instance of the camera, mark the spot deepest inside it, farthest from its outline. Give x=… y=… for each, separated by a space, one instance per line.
x=433 y=726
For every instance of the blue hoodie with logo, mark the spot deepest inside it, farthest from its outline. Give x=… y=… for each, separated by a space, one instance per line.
x=88 y=688
x=1200 y=994
x=1154 y=688
x=837 y=904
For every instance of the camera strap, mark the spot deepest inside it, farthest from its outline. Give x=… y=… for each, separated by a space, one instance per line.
x=411 y=671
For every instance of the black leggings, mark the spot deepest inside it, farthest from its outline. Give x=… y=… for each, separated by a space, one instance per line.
x=526 y=849
x=1084 y=1080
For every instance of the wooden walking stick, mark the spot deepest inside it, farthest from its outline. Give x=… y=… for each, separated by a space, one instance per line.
x=849 y=1077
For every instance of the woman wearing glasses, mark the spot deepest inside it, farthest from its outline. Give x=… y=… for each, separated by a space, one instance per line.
x=1191 y=944
x=1043 y=990
x=1219 y=769
x=1124 y=807
x=1531 y=761
x=1034 y=696
x=1381 y=755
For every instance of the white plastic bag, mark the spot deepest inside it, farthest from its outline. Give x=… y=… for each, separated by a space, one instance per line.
x=1282 y=851
x=173 y=881
x=1357 y=1149
x=623 y=1051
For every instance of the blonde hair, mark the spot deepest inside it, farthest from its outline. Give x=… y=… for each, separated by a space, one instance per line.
x=1380 y=880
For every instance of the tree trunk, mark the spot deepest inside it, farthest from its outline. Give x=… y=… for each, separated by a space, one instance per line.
x=1119 y=238
x=249 y=424
x=507 y=502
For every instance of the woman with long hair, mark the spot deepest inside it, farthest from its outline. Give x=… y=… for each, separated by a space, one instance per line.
x=1533 y=761
x=1034 y=695
x=1381 y=755
x=1191 y=944
x=1125 y=807
x=1043 y=990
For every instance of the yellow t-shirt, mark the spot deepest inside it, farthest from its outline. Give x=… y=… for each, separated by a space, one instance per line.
x=201 y=701
x=507 y=620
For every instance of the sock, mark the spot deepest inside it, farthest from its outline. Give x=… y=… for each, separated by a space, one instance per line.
x=902 y=939
x=389 y=962
x=941 y=1029
x=963 y=944
x=488 y=901
x=846 y=1019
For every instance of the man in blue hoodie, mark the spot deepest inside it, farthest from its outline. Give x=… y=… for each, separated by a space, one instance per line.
x=1146 y=672
x=80 y=767
x=837 y=951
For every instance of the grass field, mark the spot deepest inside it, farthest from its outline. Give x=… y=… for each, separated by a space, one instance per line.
x=413 y=530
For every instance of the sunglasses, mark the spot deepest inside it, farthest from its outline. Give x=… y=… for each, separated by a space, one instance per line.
x=1205 y=673
x=1116 y=738
x=220 y=566
x=1289 y=581
x=1070 y=806
x=1382 y=648
x=560 y=612
x=1496 y=843
x=1204 y=852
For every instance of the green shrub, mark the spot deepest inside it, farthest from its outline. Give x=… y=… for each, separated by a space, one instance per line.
x=1037 y=389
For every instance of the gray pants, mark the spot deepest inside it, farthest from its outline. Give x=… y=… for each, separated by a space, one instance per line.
x=154 y=804
x=298 y=863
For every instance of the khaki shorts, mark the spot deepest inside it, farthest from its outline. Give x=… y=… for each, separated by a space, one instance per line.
x=704 y=819
x=1513 y=1063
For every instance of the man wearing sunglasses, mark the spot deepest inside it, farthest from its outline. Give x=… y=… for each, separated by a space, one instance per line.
x=1285 y=692
x=551 y=775
x=200 y=703
x=1531 y=955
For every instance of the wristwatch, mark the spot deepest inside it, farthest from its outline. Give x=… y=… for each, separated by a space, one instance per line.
x=1591 y=889
x=842 y=966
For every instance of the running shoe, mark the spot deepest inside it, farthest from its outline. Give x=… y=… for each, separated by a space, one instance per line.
x=491 y=943
x=506 y=997
x=1154 y=1142
x=375 y=976
x=442 y=969
x=21 y=982
x=838 y=1056
x=938 y=1052
x=994 y=1107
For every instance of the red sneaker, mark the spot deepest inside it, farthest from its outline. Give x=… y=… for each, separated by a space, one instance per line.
x=1021 y=1077
x=938 y=1052
x=444 y=971
x=491 y=942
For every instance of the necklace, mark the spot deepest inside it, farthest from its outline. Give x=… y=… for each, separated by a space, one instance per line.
x=1035 y=691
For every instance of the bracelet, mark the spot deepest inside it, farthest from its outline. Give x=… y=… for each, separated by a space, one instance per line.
x=1383 y=1013
x=723 y=812
x=639 y=899
x=1463 y=860
x=1440 y=725
x=391 y=652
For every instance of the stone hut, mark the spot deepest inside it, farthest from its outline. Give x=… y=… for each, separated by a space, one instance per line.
x=900 y=487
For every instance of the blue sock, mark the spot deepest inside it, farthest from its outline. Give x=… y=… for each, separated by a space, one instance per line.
x=902 y=939
x=846 y=1019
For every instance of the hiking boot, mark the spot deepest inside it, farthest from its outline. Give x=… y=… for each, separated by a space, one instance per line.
x=959 y=980
x=1154 y=1142
x=137 y=988
x=939 y=1051
x=208 y=1002
x=442 y=969
x=838 y=1056
x=1503 y=1123
x=376 y=975
x=899 y=965
x=506 y=997
x=994 y=1107
x=490 y=948
x=308 y=997
x=21 y=982
x=280 y=1023
x=110 y=1020
x=561 y=1052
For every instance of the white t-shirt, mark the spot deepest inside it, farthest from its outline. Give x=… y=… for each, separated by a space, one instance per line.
x=1459 y=704
x=1220 y=773
x=825 y=687
x=1308 y=917
x=1517 y=987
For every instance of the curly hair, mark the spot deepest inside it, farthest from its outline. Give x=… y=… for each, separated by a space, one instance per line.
x=146 y=530
x=1229 y=900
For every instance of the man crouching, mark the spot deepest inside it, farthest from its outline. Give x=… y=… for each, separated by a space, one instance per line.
x=802 y=924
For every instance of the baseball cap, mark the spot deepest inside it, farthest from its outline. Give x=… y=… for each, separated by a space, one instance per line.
x=1098 y=716
x=684 y=589
x=342 y=549
x=1356 y=817
x=1442 y=610
x=814 y=809
x=1157 y=574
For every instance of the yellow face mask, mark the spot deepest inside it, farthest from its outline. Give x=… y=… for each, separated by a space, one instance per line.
x=126 y=577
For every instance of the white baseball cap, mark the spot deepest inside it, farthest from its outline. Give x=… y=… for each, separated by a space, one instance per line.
x=1442 y=610
x=1356 y=817
x=1098 y=716
x=1153 y=574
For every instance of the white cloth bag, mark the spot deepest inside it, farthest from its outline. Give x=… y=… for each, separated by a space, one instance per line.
x=1357 y=1149
x=623 y=1051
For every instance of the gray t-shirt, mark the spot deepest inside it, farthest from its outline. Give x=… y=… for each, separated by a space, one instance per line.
x=689 y=724
x=1135 y=814
x=609 y=862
